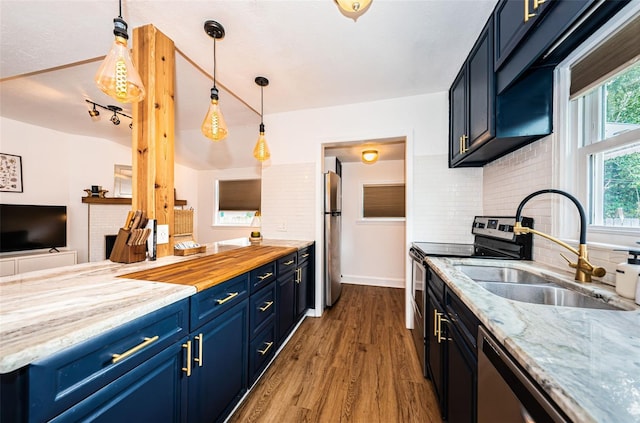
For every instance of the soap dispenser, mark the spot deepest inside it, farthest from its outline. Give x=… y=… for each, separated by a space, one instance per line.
x=627 y=274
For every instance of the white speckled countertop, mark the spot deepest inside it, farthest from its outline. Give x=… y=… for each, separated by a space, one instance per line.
x=587 y=360
x=43 y=312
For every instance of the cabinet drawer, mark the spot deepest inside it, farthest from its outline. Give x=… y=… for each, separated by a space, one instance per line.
x=465 y=321
x=287 y=264
x=261 y=350
x=209 y=303
x=263 y=309
x=262 y=276
x=304 y=254
x=68 y=377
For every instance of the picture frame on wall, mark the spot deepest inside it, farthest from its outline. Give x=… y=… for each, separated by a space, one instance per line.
x=10 y=173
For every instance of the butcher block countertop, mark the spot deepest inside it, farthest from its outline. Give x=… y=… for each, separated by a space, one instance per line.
x=44 y=312
x=208 y=271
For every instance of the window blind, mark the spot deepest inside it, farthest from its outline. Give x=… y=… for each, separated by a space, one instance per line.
x=383 y=201
x=239 y=195
x=605 y=60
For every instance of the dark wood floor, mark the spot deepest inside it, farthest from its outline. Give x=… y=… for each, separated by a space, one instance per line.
x=355 y=364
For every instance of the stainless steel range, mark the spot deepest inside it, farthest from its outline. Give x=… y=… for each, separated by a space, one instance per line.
x=494 y=238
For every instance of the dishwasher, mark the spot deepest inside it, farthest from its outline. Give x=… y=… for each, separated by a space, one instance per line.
x=505 y=391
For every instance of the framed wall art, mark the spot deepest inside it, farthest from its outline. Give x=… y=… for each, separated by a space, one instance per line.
x=10 y=173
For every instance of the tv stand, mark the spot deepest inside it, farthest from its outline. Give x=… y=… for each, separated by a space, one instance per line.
x=14 y=264
x=54 y=250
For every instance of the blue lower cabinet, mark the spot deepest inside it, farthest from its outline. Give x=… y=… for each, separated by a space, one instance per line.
x=286 y=305
x=261 y=350
x=155 y=391
x=218 y=378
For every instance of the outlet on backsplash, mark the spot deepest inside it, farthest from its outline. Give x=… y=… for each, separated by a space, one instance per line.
x=281 y=227
x=163 y=234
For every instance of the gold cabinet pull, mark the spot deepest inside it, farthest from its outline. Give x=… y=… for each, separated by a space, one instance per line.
x=265 y=276
x=440 y=337
x=200 y=338
x=263 y=352
x=188 y=368
x=147 y=341
x=305 y=255
x=528 y=15
x=287 y=263
x=267 y=304
x=229 y=297
x=464 y=143
x=537 y=3
x=298 y=275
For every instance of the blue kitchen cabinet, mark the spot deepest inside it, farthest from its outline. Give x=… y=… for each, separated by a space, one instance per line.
x=286 y=296
x=305 y=288
x=218 y=377
x=262 y=330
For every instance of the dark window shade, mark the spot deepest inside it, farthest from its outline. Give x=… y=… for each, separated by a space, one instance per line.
x=606 y=59
x=383 y=201
x=239 y=195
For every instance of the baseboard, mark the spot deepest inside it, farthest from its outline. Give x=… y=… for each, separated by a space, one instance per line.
x=372 y=281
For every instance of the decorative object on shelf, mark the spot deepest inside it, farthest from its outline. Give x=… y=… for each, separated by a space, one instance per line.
x=261 y=150
x=10 y=173
x=369 y=156
x=214 y=127
x=353 y=8
x=96 y=191
x=117 y=112
x=117 y=76
x=256 y=223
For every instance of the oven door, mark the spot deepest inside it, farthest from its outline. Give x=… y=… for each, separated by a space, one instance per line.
x=419 y=290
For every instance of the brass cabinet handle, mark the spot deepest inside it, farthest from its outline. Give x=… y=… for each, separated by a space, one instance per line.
x=265 y=276
x=464 y=143
x=298 y=275
x=200 y=338
x=267 y=304
x=537 y=3
x=147 y=341
x=229 y=296
x=440 y=320
x=287 y=263
x=263 y=352
x=528 y=15
x=305 y=255
x=188 y=368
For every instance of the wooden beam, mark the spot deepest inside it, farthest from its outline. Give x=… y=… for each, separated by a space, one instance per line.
x=153 y=129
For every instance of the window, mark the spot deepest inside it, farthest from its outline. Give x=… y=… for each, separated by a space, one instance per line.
x=604 y=140
x=383 y=201
x=237 y=201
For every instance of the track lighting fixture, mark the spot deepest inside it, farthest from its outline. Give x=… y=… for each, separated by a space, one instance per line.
x=117 y=113
x=214 y=127
x=116 y=76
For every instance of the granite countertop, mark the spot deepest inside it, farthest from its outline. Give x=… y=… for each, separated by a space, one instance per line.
x=587 y=360
x=46 y=311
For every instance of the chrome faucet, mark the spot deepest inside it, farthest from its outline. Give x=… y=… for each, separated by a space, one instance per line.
x=584 y=269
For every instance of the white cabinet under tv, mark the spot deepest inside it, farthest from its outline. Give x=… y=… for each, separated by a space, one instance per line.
x=14 y=264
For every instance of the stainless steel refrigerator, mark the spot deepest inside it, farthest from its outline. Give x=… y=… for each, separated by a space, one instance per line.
x=332 y=223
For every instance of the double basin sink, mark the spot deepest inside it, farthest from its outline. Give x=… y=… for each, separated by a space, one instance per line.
x=521 y=285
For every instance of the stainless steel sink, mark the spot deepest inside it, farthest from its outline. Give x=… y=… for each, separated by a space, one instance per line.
x=549 y=294
x=524 y=286
x=500 y=274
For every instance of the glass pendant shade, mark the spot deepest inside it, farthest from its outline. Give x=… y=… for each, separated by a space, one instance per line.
x=353 y=8
x=214 y=127
x=261 y=150
x=117 y=76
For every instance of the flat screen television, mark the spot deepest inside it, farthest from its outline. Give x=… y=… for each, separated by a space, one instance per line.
x=32 y=227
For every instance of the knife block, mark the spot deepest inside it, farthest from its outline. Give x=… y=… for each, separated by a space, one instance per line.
x=123 y=253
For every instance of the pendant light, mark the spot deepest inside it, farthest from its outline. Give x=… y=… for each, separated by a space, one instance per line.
x=353 y=8
x=214 y=126
x=261 y=150
x=116 y=76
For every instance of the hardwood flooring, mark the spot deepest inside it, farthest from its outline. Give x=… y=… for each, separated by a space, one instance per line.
x=355 y=364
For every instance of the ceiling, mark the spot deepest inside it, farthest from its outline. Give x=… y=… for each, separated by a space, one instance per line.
x=312 y=54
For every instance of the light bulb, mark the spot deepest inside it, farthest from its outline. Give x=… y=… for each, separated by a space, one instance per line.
x=214 y=126
x=117 y=77
x=261 y=150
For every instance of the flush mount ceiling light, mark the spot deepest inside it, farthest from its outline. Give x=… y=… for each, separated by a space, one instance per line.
x=353 y=8
x=117 y=113
x=369 y=156
x=116 y=76
x=214 y=127
x=261 y=150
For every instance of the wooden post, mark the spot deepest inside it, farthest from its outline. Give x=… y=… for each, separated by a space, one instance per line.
x=153 y=129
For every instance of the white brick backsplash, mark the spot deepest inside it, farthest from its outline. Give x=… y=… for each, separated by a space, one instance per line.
x=104 y=219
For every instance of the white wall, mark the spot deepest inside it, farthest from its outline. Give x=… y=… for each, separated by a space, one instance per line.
x=57 y=167
x=372 y=251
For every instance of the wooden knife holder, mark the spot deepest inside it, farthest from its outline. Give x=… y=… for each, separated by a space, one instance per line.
x=124 y=253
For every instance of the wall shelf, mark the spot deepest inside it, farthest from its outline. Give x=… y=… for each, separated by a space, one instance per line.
x=117 y=200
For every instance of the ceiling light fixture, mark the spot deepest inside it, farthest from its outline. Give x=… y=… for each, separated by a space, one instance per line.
x=117 y=113
x=261 y=150
x=214 y=126
x=353 y=8
x=116 y=76
x=369 y=156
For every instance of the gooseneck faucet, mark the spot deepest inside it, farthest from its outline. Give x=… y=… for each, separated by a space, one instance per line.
x=584 y=269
